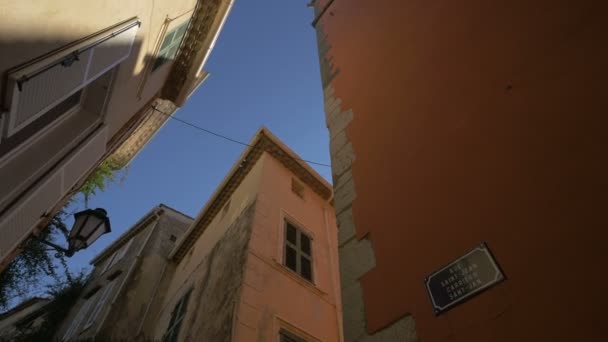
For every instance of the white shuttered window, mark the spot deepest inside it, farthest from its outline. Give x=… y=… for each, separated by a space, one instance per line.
x=84 y=309
x=38 y=87
x=101 y=303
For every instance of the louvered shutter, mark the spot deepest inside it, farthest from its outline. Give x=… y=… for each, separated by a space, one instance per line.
x=110 y=53
x=36 y=88
x=40 y=93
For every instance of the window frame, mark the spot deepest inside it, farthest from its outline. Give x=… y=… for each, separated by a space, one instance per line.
x=117 y=255
x=99 y=305
x=297 y=247
x=161 y=59
x=179 y=312
x=77 y=57
x=79 y=317
x=288 y=336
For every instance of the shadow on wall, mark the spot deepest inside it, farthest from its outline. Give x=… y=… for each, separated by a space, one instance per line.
x=16 y=54
x=49 y=95
x=47 y=67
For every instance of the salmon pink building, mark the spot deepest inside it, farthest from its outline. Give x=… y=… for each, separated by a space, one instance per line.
x=259 y=263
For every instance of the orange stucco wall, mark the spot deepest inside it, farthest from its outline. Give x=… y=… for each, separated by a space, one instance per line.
x=272 y=296
x=479 y=121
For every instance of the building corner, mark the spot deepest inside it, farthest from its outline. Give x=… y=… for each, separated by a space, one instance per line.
x=356 y=256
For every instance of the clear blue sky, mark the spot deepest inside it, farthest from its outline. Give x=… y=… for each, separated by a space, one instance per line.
x=264 y=71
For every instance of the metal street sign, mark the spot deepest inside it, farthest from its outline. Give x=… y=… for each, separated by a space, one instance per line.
x=463 y=278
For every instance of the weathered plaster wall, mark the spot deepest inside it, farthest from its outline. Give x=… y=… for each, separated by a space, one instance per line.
x=127 y=313
x=99 y=279
x=241 y=198
x=192 y=270
x=120 y=318
x=273 y=296
x=215 y=283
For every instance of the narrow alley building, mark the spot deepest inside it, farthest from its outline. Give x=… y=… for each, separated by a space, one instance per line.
x=84 y=81
x=258 y=263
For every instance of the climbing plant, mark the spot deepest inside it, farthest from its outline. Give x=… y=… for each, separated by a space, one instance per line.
x=63 y=296
x=108 y=172
x=36 y=260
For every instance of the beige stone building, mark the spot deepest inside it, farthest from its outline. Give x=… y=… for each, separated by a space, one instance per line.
x=25 y=317
x=81 y=81
x=126 y=275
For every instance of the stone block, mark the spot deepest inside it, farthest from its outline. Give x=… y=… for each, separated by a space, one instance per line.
x=353 y=312
x=328 y=91
x=339 y=122
x=346 y=226
x=356 y=258
x=345 y=192
x=338 y=141
x=342 y=160
x=332 y=107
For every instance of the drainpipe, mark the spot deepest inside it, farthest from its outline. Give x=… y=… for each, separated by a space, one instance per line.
x=332 y=264
x=131 y=269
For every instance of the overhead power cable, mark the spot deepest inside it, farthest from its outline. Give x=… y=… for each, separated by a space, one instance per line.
x=223 y=136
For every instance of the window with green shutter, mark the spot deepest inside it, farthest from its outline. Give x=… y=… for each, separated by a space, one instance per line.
x=170 y=44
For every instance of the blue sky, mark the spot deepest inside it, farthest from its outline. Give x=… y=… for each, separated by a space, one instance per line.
x=264 y=71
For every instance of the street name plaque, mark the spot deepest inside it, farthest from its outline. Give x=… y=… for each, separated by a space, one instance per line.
x=463 y=278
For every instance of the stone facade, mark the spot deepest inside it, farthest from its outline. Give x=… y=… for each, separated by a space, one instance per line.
x=217 y=284
x=133 y=267
x=356 y=254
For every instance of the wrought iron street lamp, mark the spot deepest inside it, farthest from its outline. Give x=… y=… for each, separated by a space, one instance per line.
x=89 y=225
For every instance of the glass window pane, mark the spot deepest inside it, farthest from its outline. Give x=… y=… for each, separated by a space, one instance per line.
x=168 y=39
x=305 y=244
x=291 y=234
x=172 y=51
x=290 y=258
x=184 y=304
x=306 y=268
x=179 y=33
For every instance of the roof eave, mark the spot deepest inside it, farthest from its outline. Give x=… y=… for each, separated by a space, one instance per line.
x=187 y=71
x=262 y=141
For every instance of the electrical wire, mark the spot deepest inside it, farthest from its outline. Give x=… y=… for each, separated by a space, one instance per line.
x=223 y=136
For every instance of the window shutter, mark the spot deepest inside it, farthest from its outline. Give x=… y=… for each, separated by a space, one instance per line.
x=119 y=254
x=79 y=317
x=123 y=251
x=41 y=93
x=110 y=53
x=100 y=304
x=37 y=87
